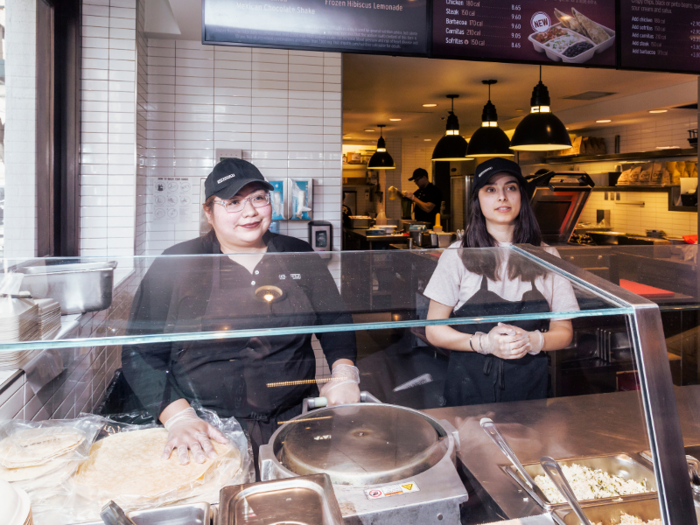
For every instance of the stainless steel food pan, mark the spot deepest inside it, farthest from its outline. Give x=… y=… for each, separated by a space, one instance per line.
x=609 y=513
x=192 y=514
x=620 y=465
x=360 y=223
x=306 y=500
x=78 y=286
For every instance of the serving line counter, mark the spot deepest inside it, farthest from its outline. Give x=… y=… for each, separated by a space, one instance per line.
x=187 y=339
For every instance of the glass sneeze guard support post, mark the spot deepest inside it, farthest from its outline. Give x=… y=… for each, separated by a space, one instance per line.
x=658 y=398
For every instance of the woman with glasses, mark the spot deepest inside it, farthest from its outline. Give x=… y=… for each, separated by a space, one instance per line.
x=253 y=287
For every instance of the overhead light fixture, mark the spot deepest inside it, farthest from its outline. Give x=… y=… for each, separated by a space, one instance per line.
x=369 y=130
x=429 y=105
x=427 y=140
x=540 y=130
x=452 y=146
x=381 y=160
x=489 y=140
x=603 y=121
x=395 y=119
x=658 y=111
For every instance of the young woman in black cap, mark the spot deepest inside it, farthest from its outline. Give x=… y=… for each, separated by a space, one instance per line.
x=192 y=294
x=492 y=362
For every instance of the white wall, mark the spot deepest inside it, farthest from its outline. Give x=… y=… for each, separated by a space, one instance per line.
x=283 y=109
x=20 y=142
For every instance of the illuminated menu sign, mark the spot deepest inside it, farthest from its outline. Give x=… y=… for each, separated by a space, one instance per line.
x=395 y=27
x=660 y=35
x=545 y=31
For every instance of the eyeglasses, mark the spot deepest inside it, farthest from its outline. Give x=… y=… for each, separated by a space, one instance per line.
x=236 y=204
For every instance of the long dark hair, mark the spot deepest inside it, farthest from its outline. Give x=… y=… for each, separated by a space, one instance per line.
x=487 y=262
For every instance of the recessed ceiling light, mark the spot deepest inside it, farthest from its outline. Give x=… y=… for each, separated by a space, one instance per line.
x=668 y=147
x=658 y=111
x=395 y=119
x=369 y=130
x=427 y=140
x=603 y=121
x=429 y=105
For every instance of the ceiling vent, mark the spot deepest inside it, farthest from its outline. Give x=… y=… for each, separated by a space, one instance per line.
x=590 y=95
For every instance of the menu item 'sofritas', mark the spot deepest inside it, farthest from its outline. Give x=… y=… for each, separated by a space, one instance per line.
x=627 y=519
x=589 y=484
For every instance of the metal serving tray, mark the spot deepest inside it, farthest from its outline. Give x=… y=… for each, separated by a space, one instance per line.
x=306 y=500
x=79 y=287
x=621 y=465
x=604 y=513
x=192 y=514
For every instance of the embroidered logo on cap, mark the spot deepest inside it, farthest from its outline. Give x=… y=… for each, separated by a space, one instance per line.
x=487 y=169
x=227 y=177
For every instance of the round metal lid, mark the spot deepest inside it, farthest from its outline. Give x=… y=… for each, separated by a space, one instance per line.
x=361 y=444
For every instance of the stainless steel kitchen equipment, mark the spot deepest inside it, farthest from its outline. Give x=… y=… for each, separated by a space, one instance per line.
x=360 y=222
x=557 y=199
x=79 y=286
x=553 y=470
x=192 y=514
x=388 y=464
x=621 y=465
x=113 y=514
x=609 y=513
x=306 y=500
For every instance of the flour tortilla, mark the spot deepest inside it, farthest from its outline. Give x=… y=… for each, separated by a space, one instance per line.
x=37 y=446
x=129 y=465
x=594 y=30
x=570 y=22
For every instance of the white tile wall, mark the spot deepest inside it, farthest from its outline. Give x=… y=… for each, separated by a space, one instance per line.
x=20 y=72
x=283 y=109
x=108 y=155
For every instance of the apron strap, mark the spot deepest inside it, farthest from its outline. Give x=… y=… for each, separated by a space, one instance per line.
x=484 y=284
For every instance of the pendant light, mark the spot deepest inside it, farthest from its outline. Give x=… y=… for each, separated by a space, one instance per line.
x=489 y=140
x=452 y=146
x=381 y=160
x=540 y=130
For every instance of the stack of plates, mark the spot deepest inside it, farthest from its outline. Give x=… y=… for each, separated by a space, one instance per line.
x=49 y=318
x=15 y=508
x=19 y=320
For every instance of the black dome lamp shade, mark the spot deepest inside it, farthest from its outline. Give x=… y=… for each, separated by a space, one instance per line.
x=489 y=140
x=381 y=160
x=540 y=130
x=452 y=146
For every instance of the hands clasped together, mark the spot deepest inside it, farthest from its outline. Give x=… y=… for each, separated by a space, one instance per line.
x=508 y=342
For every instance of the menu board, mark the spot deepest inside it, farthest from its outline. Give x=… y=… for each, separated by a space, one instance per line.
x=395 y=27
x=540 y=31
x=660 y=35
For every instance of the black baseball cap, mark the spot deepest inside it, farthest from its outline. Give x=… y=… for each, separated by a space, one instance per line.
x=419 y=173
x=494 y=166
x=230 y=175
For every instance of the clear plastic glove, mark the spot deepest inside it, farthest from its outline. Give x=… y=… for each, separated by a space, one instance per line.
x=343 y=388
x=536 y=339
x=187 y=432
x=505 y=341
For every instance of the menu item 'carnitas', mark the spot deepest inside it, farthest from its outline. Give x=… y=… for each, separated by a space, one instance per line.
x=589 y=484
x=626 y=519
x=128 y=466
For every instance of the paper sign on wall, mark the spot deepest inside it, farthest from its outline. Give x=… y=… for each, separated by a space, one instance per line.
x=172 y=199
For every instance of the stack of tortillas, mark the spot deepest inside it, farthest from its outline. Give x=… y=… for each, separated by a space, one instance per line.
x=127 y=468
x=31 y=453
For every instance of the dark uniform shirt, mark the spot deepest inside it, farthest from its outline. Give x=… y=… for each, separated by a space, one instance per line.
x=204 y=294
x=430 y=193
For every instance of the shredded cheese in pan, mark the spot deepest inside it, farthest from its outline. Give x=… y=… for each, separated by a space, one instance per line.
x=626 y=519
x=590 y=484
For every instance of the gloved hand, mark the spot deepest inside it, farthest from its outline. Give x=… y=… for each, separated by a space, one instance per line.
x=505 y=342
x=536 y=342
x=343 y=388
x=186 y=431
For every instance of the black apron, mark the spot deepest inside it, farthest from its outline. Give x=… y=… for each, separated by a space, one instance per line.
x=230 y=376
x=473 y=378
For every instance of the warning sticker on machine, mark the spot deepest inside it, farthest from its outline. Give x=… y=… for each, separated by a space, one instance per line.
x=392 y=490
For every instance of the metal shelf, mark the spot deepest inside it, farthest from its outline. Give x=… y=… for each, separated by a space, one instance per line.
x=643 y=155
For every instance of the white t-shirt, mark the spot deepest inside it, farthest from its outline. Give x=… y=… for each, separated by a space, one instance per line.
x=453 y=285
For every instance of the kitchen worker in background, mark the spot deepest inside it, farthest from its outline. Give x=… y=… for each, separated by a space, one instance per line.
x=427 y=198
x=262 y=283
x=493 y=362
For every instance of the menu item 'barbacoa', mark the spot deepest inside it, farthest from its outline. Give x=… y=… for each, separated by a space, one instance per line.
x=589 y=484
x=626 y=519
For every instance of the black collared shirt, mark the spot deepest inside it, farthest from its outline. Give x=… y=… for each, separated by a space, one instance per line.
x=204 y=294
x=432 y=194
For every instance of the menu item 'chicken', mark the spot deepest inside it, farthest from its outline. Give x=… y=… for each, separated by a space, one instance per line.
x=589 y=484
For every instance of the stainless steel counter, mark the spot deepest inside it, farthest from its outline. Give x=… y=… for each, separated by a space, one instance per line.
x=563 y=427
